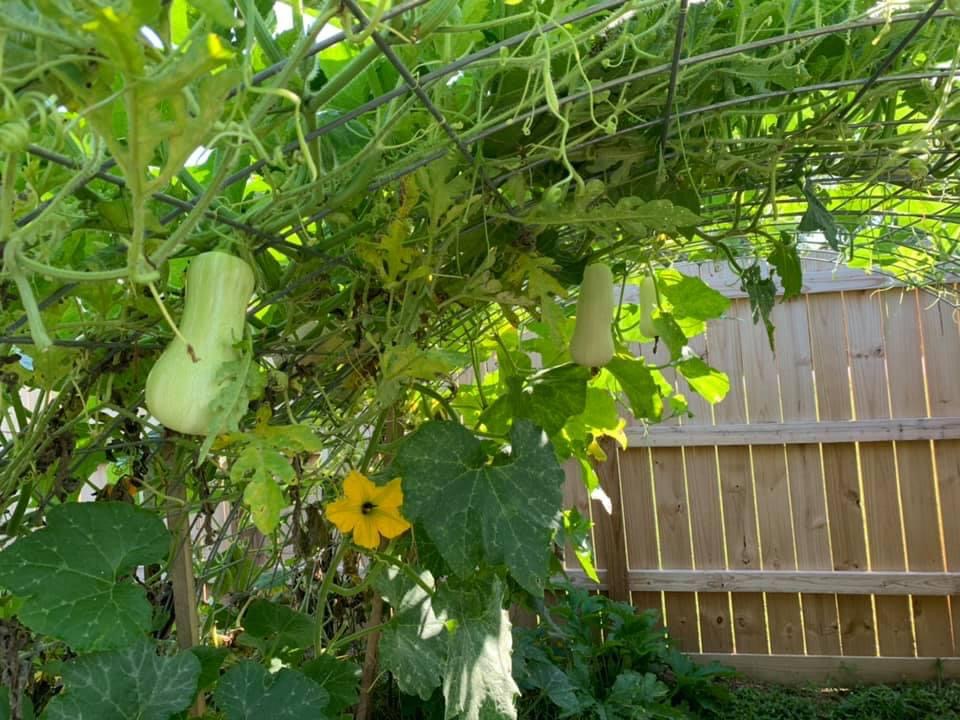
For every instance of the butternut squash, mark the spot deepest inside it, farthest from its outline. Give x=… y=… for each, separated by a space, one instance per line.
x=592 y=342
x=183 y=383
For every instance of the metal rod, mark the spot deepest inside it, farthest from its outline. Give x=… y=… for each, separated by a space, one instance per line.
x=674 y=72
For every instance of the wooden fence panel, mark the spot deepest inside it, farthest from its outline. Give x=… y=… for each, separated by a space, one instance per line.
x=841 y=477
x=796 y=517
x=736 y=482
x=769 y=464
x=918 y=492
x=673 y=521
x=811 y=532
x=707 y=528
x=881 y=501
x=941 y=350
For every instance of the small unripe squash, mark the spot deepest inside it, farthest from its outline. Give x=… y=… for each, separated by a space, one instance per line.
x=182 y=385
x=648 y=303
x=592 y=343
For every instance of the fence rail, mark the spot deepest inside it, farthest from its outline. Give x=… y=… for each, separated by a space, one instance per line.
x=809 y=524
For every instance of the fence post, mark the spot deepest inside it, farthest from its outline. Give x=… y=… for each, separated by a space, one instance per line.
x=612 y=549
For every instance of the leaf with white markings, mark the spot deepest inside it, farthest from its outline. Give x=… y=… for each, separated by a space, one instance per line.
x=249 y=692
x=502 y=511
x=413 y=645
x=133 y=682
x=71 y=570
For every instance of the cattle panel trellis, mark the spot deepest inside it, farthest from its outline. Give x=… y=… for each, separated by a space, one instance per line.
x=808 y=526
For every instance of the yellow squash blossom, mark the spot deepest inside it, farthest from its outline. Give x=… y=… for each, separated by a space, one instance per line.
x=368 y=510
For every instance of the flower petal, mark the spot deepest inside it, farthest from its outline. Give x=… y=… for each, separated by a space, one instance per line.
x=344 y=514
x=389 y=495
x=389 y=522
x=365 y=533
x=358 y=487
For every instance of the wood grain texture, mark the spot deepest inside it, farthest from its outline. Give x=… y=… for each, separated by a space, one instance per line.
x=636 y=483
x=941 y=351
x=771 y=485
x=832 y=671
x=841 y=479
x=783 y=581
x=707 y=536
x=918 y=492
x=810 y=527
x=608 y=526
x=878 y=470
x=840 y=432
x=736 y=483
x=675 y=552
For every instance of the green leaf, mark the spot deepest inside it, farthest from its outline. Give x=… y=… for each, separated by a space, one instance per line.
x=340 y=678
x=763 y=295
x=414 y=645
x=633 y=214
x=240 y=381
x=786 y=261
x=818 y=218
x=258 y=465
x=576 y=531
x=712 y=385
x=265 y=499
x=211 y=660
x=133 y=682
x=552 y=396
x=219 y=11
x=502 y=512
x=631 y=690
x=460 y=639
x=279 y=627
x=290 y=439
x=639 y=385
x=70 y=572
x=599 y=418
x=249 y=692
x=671 y=333
x=691 y=297
x=478 y=682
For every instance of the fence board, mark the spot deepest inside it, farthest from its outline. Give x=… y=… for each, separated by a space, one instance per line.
x=673 y=523
x=848 y=545
x=770 y=483
x=810 y=527
x=941 y=350
x=640 y=523
x=736 y=484
x=611 y=548
x=901 y=334
x=878 y=468
x=843 y=582
x=700 y=464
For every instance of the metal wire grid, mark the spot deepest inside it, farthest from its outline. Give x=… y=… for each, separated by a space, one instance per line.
x=416 y=87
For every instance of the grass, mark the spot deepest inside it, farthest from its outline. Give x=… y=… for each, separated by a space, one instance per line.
x=930 y=701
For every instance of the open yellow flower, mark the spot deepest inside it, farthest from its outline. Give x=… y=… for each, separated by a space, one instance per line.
x=368 y=510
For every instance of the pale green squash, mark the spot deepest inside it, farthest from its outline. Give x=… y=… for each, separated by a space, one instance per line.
x=648 y=303
x=592 y=342
x=180 y=388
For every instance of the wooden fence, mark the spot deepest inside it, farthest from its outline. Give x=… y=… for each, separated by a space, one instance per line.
x=808 y=526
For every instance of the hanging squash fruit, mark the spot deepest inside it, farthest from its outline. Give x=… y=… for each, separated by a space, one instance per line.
x=183 y=383
x=592 y=343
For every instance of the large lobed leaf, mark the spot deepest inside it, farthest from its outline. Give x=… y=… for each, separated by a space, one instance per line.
x=459 y=638
x=249 y=692
x=71 y=570
x=133 y=682
x=501 y=512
